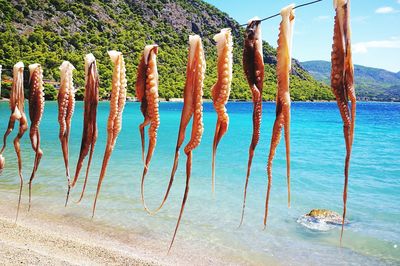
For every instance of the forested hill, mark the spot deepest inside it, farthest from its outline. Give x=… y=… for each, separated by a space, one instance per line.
x=371 y=83
x=50 y=31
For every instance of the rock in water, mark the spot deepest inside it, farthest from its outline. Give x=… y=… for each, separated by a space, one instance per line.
x=321 y=220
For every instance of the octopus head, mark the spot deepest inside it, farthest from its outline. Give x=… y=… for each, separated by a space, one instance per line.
x=148 y=50
x=253 y=29
x=18 y=69
x=32 y=69
x=339 y=3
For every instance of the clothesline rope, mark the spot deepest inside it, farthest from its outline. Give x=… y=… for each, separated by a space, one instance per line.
x=305 y=4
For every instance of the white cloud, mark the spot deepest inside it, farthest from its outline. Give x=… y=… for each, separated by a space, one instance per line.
x=398 y=1
x=362 y=47
x=386 y=10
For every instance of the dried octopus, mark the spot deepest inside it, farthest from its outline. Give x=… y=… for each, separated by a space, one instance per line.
x=89 y=134
x=193 y=106
x=282 y=119
x=221 y=89
x=17 y=113
x=66 y=105
x=342 y=83
x=114 y=123
x=36 y=108
x=253 y=65
x=147 y=94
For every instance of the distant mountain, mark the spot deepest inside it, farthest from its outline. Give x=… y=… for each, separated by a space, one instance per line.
x=371 y=83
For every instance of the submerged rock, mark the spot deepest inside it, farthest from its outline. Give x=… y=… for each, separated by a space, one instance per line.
x=321 y=220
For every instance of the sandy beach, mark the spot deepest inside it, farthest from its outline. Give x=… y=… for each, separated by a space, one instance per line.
x=39 y=238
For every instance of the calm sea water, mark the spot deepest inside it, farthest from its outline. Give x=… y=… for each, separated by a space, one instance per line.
x=373 y=236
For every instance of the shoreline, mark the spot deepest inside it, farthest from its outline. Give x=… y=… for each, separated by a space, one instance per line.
x=37 y=239
x=47 y=238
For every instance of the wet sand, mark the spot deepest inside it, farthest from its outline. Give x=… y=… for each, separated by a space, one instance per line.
x=40 y=238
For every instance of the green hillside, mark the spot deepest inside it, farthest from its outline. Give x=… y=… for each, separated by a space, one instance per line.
x=371 y=83
x=50 y=31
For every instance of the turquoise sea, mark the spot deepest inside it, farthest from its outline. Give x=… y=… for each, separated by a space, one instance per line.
x=317 y=158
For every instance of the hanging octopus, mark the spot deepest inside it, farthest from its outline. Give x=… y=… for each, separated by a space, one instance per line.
x=17 y=113
x=66 y=105
x=282 y=119
x=221 y=89
x=89 y=134
x=253 y=65
x=342 y=83
x=147 y=94
x=193 y=102
x=117 y=103
x=36 y=108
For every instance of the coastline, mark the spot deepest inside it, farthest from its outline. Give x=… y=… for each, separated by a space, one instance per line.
x=46 y=238
x=37 y=239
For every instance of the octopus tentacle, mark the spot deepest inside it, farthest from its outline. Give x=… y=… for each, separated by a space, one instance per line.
x=16 y=106
x=186 y=115
x=342 y=83
x=141 y=97
x=147 y=91
x=114 y=123
x=87 y=171
x=282 y=120
x=253 y=66
x=181 y=133
x=66 y=105
x=9 y=129
x=287 y=146
x=198 y=67
x=35 y=139
x=23 y=126
x=220 y=130
x=36 y=108
x=89 y=134
x=142 y=126
x=276 y=136
x=221 y=90
x=185 y=195
x=17 y=113
x=349 y=85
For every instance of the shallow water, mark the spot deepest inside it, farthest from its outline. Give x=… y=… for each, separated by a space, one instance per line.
x=317 y=160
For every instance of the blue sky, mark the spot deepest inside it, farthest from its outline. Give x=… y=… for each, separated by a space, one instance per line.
x=375 y=28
